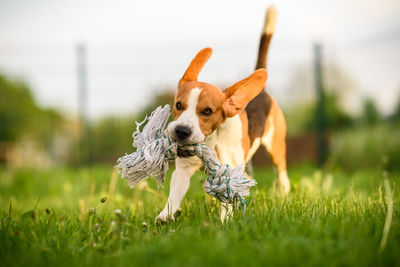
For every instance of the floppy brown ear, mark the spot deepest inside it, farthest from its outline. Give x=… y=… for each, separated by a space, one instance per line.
x=241 y=93
x=192 y=72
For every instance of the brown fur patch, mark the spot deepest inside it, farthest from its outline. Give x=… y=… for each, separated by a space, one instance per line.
x=278 y=145
x=242 y=92
x=245 y=133
x=198 y=62
x=223 y=104
x=210 y=97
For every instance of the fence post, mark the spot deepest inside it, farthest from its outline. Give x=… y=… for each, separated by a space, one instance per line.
x=85 y=155
x=320 y=115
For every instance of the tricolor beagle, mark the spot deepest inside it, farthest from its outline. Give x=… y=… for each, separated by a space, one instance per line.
x=234 y=122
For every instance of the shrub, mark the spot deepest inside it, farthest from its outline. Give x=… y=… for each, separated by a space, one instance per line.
x=375 y=146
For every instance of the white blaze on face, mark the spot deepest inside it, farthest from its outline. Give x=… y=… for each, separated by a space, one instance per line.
x=189 y=119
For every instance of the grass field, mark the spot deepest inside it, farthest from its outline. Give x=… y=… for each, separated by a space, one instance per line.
x=57 y=218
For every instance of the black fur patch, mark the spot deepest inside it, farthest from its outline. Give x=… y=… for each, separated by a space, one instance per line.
x=257 y=112
x=263 y=51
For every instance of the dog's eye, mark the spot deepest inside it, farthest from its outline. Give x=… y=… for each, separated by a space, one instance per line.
x=207 y=112
x=178 y=106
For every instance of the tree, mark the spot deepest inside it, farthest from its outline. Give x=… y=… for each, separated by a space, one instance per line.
x=16 y=107
x=338 y=88
x=370 y=114
x=22 y=118
x=395 y=117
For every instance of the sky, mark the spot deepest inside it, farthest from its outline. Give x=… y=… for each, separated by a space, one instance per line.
x=138 y=48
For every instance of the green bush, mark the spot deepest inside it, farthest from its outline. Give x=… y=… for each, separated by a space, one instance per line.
x=375 y=146
x=112 y=138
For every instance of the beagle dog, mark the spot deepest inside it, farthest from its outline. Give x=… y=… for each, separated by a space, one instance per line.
x=234 y=122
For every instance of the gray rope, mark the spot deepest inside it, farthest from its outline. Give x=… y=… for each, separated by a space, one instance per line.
x=155 y=148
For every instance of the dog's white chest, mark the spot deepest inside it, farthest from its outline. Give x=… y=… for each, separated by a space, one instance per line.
x=227 y=142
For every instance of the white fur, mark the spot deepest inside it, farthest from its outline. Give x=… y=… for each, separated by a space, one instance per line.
x=180 y=181
x=267 y=139
x=253 y=148
x=283 y=182
x=189 y=119
x=185 y=167
x=270 y=20
x=229 y=149
x=228 y=142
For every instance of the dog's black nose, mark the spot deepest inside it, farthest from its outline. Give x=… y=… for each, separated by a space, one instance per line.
x=182 y=132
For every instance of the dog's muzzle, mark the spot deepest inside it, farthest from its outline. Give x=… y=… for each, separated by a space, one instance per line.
x=182 y=132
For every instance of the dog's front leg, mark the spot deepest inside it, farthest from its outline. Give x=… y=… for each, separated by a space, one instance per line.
x=228 y=155
x=180 y=181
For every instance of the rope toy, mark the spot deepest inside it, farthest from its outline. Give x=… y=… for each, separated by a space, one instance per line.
x=154 y=148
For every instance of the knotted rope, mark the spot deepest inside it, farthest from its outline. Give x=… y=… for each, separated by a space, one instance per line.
x=155 y=148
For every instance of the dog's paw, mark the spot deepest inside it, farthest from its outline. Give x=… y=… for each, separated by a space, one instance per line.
x=164 y=217
x=283 y=189
x=283 y=184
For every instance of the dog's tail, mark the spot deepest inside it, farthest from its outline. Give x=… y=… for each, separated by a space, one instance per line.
x=266 y=36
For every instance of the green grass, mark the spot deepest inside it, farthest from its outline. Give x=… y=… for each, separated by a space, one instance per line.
x=56 y=218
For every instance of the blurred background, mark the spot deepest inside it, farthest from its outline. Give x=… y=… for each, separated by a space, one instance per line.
x=76 y=75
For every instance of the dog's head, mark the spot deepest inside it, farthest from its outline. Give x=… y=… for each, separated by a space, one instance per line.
x=200 y=108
